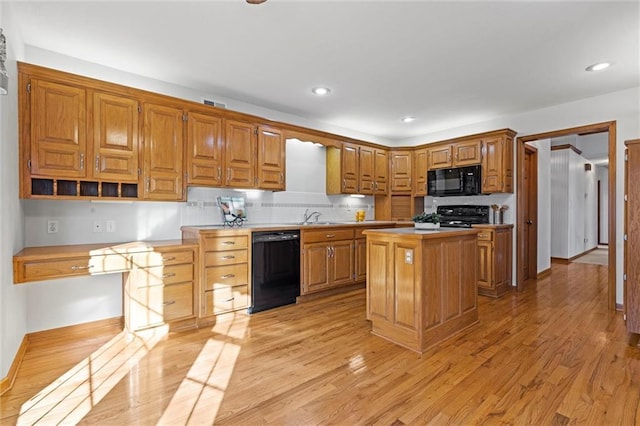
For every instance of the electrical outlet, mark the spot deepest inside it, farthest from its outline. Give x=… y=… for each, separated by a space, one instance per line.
x=52 y=226
x=111 y=226
x=98 y=225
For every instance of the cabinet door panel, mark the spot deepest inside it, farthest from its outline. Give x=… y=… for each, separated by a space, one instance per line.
x=315 y=258
x=342 y=267
x=366 y=170
x=204 y=149
x=115 y=137
x=58 y=129
x=361 y=259
x=401 y=167
x=485 y=262
x=467 y=153
x=439 y=157
x=420 y=171
x=163 y=146
x=271 y=159
x=492 y=165
x=381 y=172
x=240 y=147
x=349 y=165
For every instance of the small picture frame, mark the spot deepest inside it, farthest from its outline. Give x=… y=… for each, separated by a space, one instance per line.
x=233 y=210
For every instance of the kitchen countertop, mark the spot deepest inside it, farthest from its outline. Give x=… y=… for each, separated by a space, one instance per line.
x=256 y=227
x=424 y=233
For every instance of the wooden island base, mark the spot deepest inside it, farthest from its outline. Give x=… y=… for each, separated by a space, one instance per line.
x=421 y=285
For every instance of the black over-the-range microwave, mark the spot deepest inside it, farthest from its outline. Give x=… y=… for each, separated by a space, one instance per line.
x=455 y=181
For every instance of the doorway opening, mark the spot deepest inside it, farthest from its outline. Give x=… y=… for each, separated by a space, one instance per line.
x=523 y=265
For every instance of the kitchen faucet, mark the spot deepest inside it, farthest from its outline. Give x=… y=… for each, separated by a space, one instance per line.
x=307 y=216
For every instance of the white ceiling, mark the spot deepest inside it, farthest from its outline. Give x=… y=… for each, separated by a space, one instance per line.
x=447 y=63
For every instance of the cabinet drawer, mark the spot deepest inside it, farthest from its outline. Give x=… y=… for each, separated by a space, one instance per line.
x=225 y=243
x=159 y=275
x=327 y=235
x=226 y=299
x=58 y=268
x=226 y=276
x=178 y=301
x=485 y=235
x=229 y=257
x=155 y=305
x=141 y=260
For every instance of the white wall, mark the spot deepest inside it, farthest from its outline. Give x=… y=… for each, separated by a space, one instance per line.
x=544 y=203
x=560 y=203
x=602 y=174
x=13 y=310
x=573 y=204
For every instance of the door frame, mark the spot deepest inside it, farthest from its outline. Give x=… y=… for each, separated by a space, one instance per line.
x=608 y=126
x=533 y=216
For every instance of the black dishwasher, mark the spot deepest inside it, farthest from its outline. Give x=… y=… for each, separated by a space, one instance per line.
x=275 y=266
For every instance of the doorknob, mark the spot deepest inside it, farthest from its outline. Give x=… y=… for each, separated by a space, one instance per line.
x=529 y=222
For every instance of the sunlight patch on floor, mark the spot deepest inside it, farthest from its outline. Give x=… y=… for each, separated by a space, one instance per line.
x=70 y=397
x=201 y=392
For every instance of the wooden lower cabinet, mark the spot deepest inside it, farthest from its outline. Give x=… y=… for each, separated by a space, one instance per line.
x=361 y=259
x=159 y=288
x=225 y=275
x=495 y=247
x=327 y=265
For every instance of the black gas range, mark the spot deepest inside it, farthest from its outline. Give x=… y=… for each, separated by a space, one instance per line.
x=462 y=216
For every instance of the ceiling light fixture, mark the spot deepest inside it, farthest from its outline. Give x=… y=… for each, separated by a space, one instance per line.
x=256 y=1
x=598 y=67
x=320 y=91
x=408 y=119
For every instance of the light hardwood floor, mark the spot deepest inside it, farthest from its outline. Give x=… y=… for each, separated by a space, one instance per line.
x=552 y=354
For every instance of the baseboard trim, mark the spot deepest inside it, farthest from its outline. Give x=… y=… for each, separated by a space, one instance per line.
x=7 y=383
x=620 y=307
x=560 y=260
x=543 y=274
x=86 y=327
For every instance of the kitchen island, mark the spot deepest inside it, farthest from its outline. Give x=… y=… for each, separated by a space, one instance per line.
x=421 y=285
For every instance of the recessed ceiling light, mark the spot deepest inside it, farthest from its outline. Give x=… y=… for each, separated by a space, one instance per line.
x=321 y=91
x=598 y=67
x=408 y=119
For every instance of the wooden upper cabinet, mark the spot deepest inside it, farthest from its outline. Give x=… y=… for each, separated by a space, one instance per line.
x=366 y=170
x=467 y=153
x=115 y=137
x=401 y=171
x=204 y=149
x=381 y=172
x=349 y=168
x=271 y=159
x=58 y=129
x=163 y=148
x=240 y=152
x=420 y=160
x=458 y=154
x=497 y=162
x=439 y=157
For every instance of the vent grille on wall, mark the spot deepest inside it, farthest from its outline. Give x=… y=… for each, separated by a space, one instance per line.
x=214 y=103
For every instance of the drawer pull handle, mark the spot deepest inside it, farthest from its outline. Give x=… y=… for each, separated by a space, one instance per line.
x=227 y=243
x=331 y=235
x=79 y=268
x=167 y=259
x=170 y=274
x=171 y=302
x=229 y=257
x=224 y=277
x=230 y=300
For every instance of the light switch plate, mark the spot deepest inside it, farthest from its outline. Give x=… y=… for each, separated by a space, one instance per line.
x=408 y=256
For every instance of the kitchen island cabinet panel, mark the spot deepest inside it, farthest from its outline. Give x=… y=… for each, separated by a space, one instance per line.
x=419 y=291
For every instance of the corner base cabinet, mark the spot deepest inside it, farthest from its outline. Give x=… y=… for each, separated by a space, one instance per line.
x=419 y=291
x=495 y=246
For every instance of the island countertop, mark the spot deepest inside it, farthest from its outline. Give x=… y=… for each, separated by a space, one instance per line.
x=423 y=234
